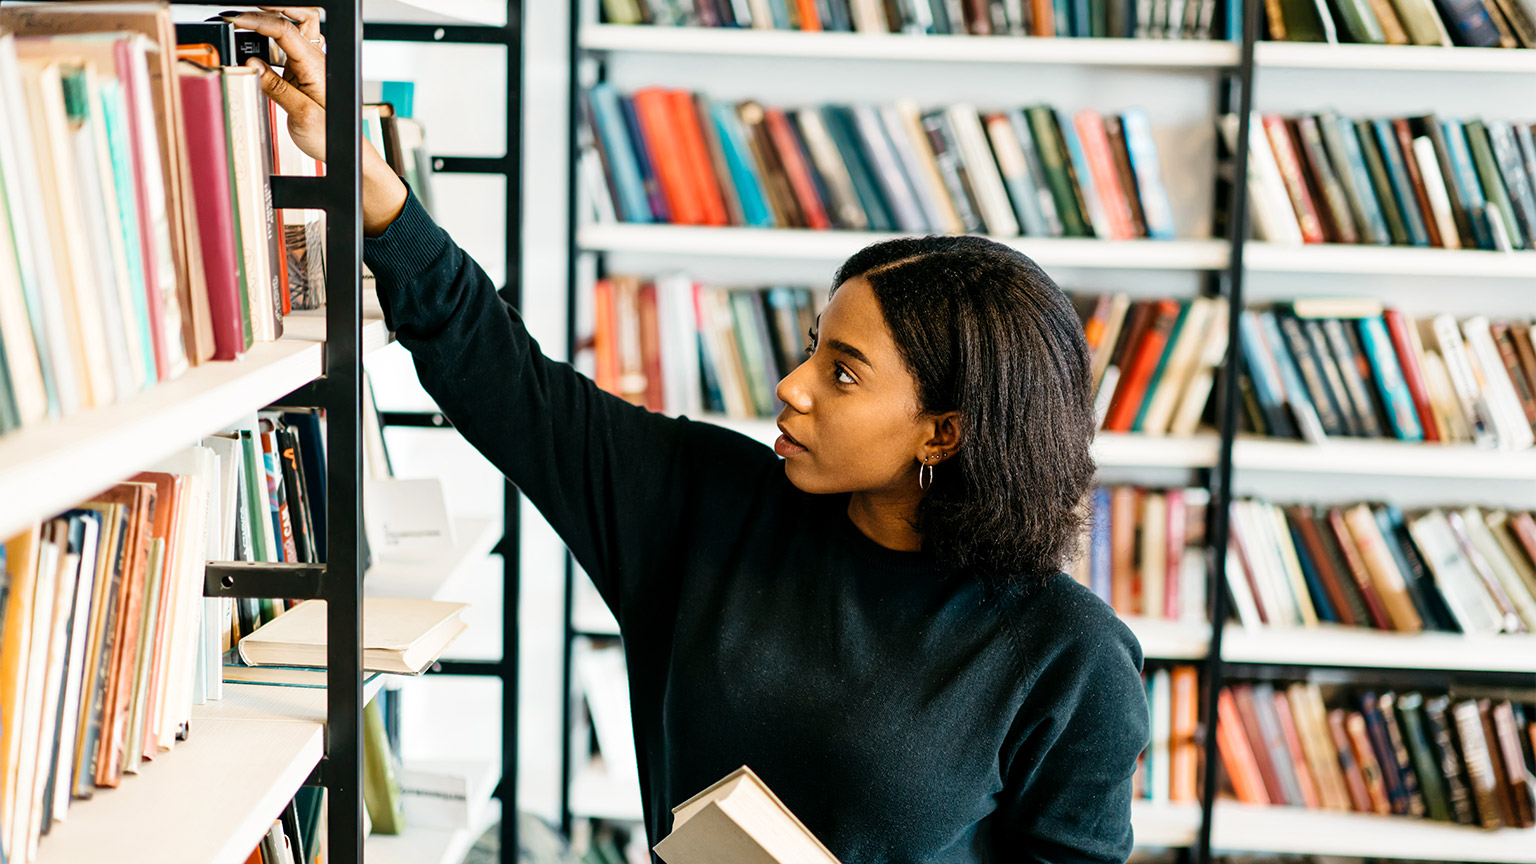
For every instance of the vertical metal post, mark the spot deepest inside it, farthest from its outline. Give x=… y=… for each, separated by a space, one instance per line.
x=344 y=466
x=511 y=537
x=1221 y=499
x=572 y=252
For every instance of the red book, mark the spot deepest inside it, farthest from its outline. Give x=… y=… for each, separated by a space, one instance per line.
x=605 y=337
x=650 y=348
x=168 y=488
x=1236 y=752
x=1248 y=715
x=1101 y=163
x=282 y=236
x=1174 y=544
x=683 y=200
x=1122 y=549
x=796 y=169
x=690 y=137
x=1139 y=367
x=1309 y=794
x=1357 y=570
x=1295 y=184
x=1525 y=532
x=1413 y=373
x=1416 y=179
x=202 y=97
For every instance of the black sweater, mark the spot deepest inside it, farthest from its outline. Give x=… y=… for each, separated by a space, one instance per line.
x=899 y=713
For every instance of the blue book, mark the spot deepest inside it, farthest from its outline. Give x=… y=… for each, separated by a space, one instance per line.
x=1320 y=602
x=1469 y=23
x=780 y=13
x=1082 y=19
x=401 y=94
x=1344 y=148
x=738 y=158
x=1094 y=205
x=1389 y=380
x=1235 y=21
x=1397 y=173
x=1098 y=548
x=1266 y=383
x=654 y=195
x=1155 y=206
x=1422 y=589
x=609 y=119
x=1037 y=180
x=839 y=123
x=1467 y=182
x=1061 y=12
x=1296 y=394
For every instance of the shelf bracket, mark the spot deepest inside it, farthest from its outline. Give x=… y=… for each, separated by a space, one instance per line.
x=311 y=395
x=245 y=579
x=317 y=776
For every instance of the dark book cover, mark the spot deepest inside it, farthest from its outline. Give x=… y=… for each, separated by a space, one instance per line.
x=946 y=155
x=1338 y=222
x=1304 y=525
x=306 y=428
x=1386 y=759
x=1492 y=180
x=1406 y=772
x=1416 y=180
x=1425 y=765
x=1322 y=601
x=1333 y=376
x=288 y=448
x=1373 y=404
x=1395 y=161
x=1355 y=566
x=1376 y=169
x=1442 y=737
x=1469 y=23
x=1122 y=158
x=1421 y=585
x=1057 y=167
x=1312 y=378
x=1429 y=125
x=840 y=130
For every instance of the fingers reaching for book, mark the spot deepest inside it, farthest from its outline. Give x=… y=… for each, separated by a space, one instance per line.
x=300 y=40
x=306 y=118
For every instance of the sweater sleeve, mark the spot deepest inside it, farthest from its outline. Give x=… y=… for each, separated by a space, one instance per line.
x=609 y=476
x=1073 y=749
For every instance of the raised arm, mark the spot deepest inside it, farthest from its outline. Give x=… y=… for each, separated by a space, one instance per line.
x=614 y=480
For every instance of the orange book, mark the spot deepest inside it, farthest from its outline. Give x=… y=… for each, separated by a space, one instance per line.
x=656 y=126
x=796 y=169
x=200 y=53
x=690 y=137
x=139 y=500
x=810 y=21
x=1101 y=163
x=1138 y=370
x=1183 y=753
x=605 y=337
x=1236 y=754
x=1354 y=778
x=282 y=236
x=168 y=515
x=1122 y=546
x=650 y=347
x=1309 y=794
x=1365 y=758
x=1043 y=17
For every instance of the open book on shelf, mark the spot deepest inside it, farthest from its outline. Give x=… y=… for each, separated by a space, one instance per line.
x=741 y=821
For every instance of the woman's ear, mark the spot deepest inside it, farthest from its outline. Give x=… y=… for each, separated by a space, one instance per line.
x=946 y=438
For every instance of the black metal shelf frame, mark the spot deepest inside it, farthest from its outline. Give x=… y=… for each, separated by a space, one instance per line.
x=508 y=166
x=1234 y=95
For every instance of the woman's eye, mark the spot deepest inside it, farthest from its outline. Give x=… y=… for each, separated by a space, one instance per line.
x=841 y=374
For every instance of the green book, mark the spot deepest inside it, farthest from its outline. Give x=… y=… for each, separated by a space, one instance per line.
x=1492 y=181
x=756 y=360
x=1053 y=157
x=1377 y=169
x=1162 y=363
x=1409 y=708
x=1303 y=22
x=381 y=788
x=1360 y=22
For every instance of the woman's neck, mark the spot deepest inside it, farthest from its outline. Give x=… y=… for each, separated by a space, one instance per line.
x=889 y=520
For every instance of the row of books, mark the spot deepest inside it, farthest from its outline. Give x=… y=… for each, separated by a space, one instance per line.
x=139 y=236
x=1465 y=570
x=672 y=156
x=1446 y=758
x=299 y=835
x=1124 y=19
x=1419 y=181
x=1154 y=361
x=681 y=347
x=1143 y=551
x=1167 y=770
x=1322 y=368
x=1474 y=23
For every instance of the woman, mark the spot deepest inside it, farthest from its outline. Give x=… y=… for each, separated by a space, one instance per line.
x=877 y=623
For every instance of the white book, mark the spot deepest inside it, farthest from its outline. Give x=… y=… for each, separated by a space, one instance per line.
x=604 y=682
x=1105 y=394
x=1475 y=612
x=75 y=672
x=21 y=352
x=33 y=773
x=242 y=93
x=1159 y=775
x=1434 y=186
x=681 y=377
x=1514 y=430
x=1119 y=306
x=198 y=466
x=1265 y=587
x=1469 y=395
x=829 y=163
x=1443 y=402
x=599 y=197
x=1192 y=401
x=739 y=820
x=1272 y=563
x=1493 y=553
x=1242 y=594
x=399 y=636
x=1286 y=546
x=1273 y=213
x=991 y=195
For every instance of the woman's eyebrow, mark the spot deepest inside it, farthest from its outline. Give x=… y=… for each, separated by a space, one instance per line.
x=842 y=347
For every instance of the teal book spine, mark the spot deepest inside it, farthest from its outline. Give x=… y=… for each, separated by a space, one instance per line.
x=1389 y=380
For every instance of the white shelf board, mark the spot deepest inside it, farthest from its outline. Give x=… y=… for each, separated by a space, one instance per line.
x=50 y=466
x=1239 y=827
x=1383 y=457
x=208 y=801
x=473 y=540
x=799 y=244
x=1170 y=640
x=273 y=703
x=735 y=42
x=1163 y=825
x=435 y=844
x=596 y=795
x=1389 y=260
x=445 y=12
x=1329 y=645
x=1396 y=58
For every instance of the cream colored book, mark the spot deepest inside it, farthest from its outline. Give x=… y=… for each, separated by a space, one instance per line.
x=1196 y=393
x=1154 y=555
x=1181 y=367
x=739 y=821
x=399 y=636
x=242 y=100
x=975 y=152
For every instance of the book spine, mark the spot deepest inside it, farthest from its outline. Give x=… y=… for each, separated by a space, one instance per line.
x=1390 y=383
x=1458 y=793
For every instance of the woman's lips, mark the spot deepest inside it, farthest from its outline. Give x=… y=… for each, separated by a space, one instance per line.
x=786 y=446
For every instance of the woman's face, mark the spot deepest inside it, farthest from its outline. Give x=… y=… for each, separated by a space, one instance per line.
x=851 y=420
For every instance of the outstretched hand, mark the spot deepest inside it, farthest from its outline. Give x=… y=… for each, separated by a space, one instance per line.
x=300 y=91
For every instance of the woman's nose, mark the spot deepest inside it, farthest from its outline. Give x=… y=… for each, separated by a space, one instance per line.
x=792 y=390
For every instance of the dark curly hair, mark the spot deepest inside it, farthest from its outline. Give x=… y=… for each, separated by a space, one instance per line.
x=988 y=334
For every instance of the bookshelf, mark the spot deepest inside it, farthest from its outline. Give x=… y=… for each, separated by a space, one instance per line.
x=957 y=65
x=474 y=539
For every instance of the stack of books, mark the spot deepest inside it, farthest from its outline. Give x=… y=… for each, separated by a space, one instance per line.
x=1419 y=181
x=1322 y=368
x=1475 y=24
x=1466 y=570
x=1449 y=759
x=675 y=157
x=1167 y=771
x=1149 y=19
x=1143 y=552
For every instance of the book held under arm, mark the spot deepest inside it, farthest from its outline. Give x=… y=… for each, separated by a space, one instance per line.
x=399 y=636
x=739 y=821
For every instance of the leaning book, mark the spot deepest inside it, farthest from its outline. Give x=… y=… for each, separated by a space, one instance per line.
x=399 y=636
x=739 y=821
